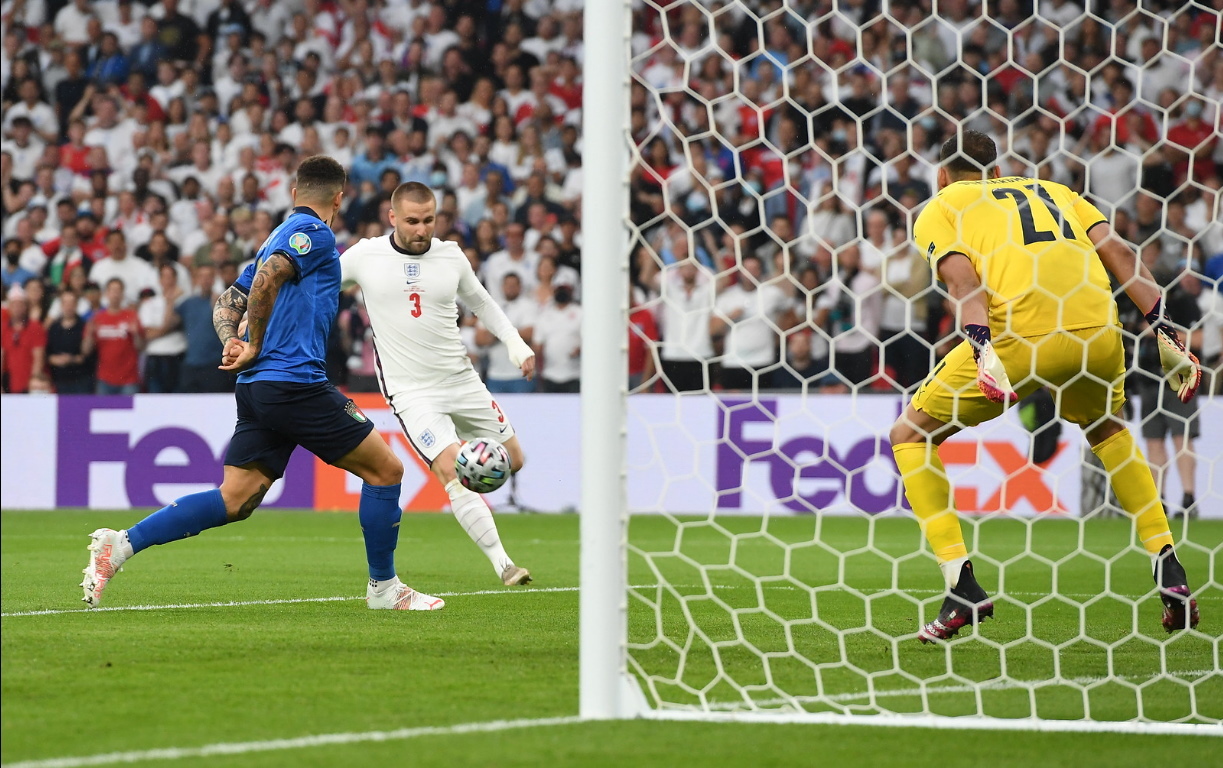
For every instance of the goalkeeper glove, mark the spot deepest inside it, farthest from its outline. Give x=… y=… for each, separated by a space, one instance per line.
x=991 y=375
x=1181 y=367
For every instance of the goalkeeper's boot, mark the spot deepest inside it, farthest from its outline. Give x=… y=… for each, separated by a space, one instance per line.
x=1180 y=609
x=967 y=604
x=107 y=552
x=515 y=575
x=400 y=597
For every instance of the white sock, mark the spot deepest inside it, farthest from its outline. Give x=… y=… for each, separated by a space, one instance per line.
x=951 y=571
x=381 y=586
x=477 y=519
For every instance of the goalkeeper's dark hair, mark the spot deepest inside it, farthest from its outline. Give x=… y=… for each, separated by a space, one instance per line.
x=319 y=179
x=971 y=153
x=412 y=191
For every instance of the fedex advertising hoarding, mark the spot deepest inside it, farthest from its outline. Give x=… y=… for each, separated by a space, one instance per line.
x=782 y=454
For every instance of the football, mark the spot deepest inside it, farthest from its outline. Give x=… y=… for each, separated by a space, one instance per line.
x=483 y=465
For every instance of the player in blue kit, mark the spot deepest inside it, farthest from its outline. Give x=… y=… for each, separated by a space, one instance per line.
x=290 y=296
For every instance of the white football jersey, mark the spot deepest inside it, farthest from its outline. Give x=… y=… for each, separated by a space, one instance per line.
x=413 y=312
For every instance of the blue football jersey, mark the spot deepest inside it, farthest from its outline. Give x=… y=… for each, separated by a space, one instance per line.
x=295 y=342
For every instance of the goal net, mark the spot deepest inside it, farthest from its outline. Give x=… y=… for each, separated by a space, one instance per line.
x=780 y=319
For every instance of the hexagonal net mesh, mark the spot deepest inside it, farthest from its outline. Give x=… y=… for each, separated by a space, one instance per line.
x=783 y=317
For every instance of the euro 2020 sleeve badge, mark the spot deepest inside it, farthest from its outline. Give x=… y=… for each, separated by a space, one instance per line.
x=300 y=242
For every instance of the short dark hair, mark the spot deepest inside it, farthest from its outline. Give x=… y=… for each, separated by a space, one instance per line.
x=320 y=178
x=114 y=280
x=970 y=152
x=413 y=191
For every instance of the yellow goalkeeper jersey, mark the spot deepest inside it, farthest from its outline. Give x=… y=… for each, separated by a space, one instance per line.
x=1028 y=241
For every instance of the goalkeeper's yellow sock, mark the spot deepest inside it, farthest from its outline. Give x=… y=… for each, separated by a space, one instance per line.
x=1135 y=488
x=929 y=494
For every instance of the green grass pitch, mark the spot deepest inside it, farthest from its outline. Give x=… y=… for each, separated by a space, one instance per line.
x=80 y=684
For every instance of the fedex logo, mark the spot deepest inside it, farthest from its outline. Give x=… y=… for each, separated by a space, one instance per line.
x=844 y=470
x=813 y=472
x=109 y=457
x=1017 y=480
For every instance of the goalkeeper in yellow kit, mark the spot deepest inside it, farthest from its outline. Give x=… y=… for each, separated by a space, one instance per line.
x=1024 y=261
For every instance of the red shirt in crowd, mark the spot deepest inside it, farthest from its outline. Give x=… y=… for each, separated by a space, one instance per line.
x=642 y=328
x=118 y=356
x=1190 y=137
x=19 y=345
x=1104 y=124
x=75 y=158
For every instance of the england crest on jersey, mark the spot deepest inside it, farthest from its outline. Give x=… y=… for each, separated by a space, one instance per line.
x=412 y=270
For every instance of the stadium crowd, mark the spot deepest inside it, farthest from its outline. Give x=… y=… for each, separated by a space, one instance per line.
x=783 y=152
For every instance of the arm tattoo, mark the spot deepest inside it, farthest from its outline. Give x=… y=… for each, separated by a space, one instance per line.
x=274 y=273
x=227 y=313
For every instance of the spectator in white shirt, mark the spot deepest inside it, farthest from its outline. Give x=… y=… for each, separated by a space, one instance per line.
x=447 y=121
x=557 y=341
x=40 y=114
x=167 y=343
x=110 y=130
x=687 y=292
x=750 y=314
x=502 y=375
x=135 y=273
x=72 y=23
x=438 y=37
x=546 y=40
x=906 y=279
x=470 y=196
x=24 y=148
x=514 y=258
x=201 y=169
x=852 y=305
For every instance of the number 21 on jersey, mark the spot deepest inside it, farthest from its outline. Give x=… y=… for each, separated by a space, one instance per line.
x=1027 y=222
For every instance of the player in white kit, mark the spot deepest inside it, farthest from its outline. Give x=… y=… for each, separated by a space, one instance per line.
x=411 y=281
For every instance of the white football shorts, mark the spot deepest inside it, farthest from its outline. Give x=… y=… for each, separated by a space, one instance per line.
x=459 y=409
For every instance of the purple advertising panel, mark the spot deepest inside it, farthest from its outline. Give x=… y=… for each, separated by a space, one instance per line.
x=120 y=452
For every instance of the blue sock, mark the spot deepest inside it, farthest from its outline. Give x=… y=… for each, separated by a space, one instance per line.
x=379 y=514
x=185 y=517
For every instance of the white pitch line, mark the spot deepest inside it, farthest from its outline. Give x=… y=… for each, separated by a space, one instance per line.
x=322 y=740
x=480 y=592
x=984 y=685
x=286 y=601
x=826 y=588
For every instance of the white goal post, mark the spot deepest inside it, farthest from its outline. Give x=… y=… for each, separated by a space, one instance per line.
x=713 y=613
x=604 y=524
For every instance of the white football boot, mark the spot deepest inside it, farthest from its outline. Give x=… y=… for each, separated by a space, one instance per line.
x=515 y=575
x=401 y=597
x=106 y=558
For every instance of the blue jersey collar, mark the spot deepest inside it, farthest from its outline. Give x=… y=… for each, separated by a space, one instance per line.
x=307 y=210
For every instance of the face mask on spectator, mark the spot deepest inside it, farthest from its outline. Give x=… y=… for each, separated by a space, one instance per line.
x=437 y=179
x=1194 y=109
x=12 y=256
x=563 y=294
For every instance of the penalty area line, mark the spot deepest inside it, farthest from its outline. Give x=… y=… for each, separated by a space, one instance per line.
x=303 y=742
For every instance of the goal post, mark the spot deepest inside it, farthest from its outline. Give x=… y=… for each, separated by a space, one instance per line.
x=603 y=609
x=747 y=552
